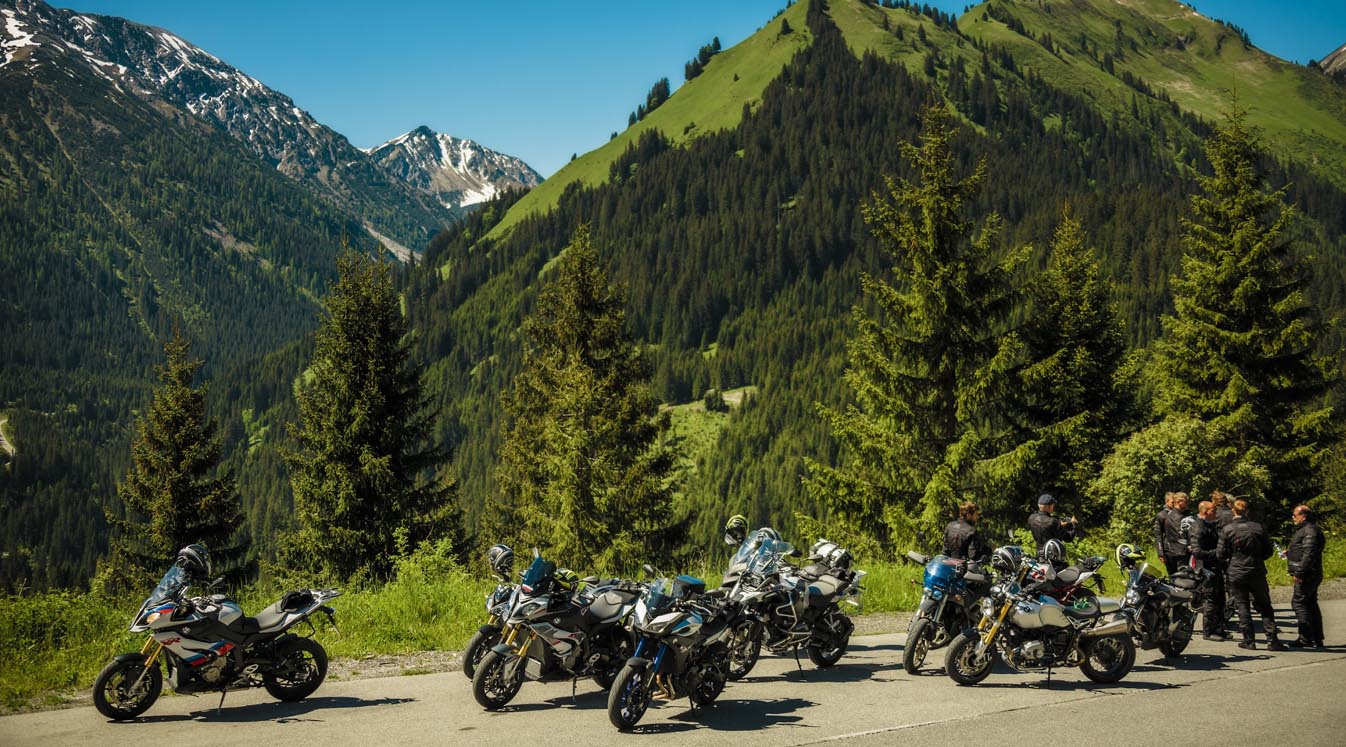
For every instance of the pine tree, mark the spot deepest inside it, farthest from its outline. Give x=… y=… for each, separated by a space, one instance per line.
x=1241 y=351
x=366 y=480
x=929 y=370
x=169 y=497
x=1075 y=401
x=582 y=471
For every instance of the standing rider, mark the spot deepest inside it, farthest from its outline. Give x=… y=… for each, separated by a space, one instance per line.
x=1045 y=527
x=1245 y=547
x=1176 y=552
x=1203 y=539
x=961 y=540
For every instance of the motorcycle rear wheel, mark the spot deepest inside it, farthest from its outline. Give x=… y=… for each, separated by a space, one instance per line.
x=1109 y=658
x=491 y=684
x=745 y=646
x=628 y=699
x=1178 y=643
x=303 y=667
x=962 y=662
x=477 y=648
x=917 y=646
x=111 y=690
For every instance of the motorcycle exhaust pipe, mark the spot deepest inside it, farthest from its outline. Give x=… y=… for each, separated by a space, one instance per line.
x=1119 y=624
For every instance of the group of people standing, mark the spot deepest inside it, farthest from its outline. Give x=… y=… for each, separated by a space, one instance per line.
x=1222 y=539
x=1219 y=538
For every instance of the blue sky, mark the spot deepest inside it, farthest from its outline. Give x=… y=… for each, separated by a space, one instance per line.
x=537 y=80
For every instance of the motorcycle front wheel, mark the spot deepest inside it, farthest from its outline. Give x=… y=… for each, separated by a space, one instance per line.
x=962 y=662
x=1181 y=637
x=1109 y=658
x=629 y=698
x=476 y=650
x=492 y=685
x=302 y=668
x=745 y=646
x=115 y=694
x=917 y=645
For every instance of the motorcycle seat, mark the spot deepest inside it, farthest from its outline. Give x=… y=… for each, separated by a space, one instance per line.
x=822 y=590
x=813 y=571
x=605 y=608
x=1068 y=576
x=1083 y=609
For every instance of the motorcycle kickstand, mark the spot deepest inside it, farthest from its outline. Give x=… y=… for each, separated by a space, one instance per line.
x=797 y=664
x=220 y=707
x=573 y=682
x=1049 y=676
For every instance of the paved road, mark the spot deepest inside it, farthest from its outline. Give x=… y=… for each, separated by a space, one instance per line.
x=1218 y=694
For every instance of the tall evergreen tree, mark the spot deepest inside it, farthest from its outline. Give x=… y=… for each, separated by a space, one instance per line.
x=1075 y=401
x=366 y=481
x=170 y=498
x=929 y=369
x=582 y=471
x=1241 y=353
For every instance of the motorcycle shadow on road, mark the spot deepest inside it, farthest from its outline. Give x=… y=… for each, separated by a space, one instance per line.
x=280 y=713
x=1195 y=662
x=733 y=715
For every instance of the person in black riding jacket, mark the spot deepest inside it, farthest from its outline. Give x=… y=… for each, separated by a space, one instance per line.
x=1224 y=513
x=1045 y=527
x=1203 y=539
x=1245 y=547
x=1160 y=520
x=961 y=539
x=1176 y=552
x=1305 y=559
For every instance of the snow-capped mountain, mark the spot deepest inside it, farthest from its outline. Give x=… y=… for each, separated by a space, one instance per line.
x=155 y=65
x=1335 y=63
x=458 y=172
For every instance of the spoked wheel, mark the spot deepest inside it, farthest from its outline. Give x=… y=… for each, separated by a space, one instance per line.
x=302 y=668
x=1109 y=658
x=917 y=646
x=629 y=698
x=964 y=665
x=477 y=648
x=493 y=685
x=116 y=694
x=745 y=646
x=1181 y=637
x=710 y=682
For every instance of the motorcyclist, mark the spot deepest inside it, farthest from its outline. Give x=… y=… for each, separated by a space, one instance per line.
x=1245 y=547
x=961 y=539
x=1045 y=526
x=1160 y=521
x=1176 y=552
x=1305 y=563
x=1203 y=539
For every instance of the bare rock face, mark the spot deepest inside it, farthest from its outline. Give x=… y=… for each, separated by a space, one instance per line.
x=1335 y=63
x=457 y=172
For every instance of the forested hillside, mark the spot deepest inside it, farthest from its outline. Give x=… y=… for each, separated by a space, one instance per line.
x=741 y=247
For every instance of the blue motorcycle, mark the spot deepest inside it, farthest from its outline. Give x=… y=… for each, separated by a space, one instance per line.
x=949 y=604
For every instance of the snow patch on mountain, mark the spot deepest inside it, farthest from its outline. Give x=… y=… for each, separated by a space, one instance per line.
x=456 y=171
x=17 y=37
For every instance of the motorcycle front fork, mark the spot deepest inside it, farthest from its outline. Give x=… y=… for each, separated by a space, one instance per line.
x=150 y=662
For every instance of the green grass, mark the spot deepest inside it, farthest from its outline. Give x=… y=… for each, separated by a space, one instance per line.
x=54 y=643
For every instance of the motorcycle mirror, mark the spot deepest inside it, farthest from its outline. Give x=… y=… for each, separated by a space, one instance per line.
x=795 y=553
x=649 y=570
x=216 y=582
x=536 y=553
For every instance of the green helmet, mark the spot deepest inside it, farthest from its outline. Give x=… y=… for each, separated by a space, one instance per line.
x=736 y=530
x=567 y=579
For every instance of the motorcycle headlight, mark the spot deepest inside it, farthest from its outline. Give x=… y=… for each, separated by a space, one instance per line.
x=936 y=593
x=987 y=607
x=150 y=618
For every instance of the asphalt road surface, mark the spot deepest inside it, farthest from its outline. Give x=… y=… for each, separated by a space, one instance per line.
x=1216 y=694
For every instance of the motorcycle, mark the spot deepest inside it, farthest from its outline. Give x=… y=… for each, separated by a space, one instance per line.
x=784 y=607
x=1162 y=611
x=207 y=644
x=550 y=633
x=949 y=604
x=1072 y=582
x=681 y=649
x=1031 y=631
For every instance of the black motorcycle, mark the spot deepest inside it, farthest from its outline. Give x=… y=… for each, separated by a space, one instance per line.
x=785 y=608
x=206 y=644
x=950 y=603
x=681 y=649
x=554 y=633
x=1162 y=611
x=1031 y=631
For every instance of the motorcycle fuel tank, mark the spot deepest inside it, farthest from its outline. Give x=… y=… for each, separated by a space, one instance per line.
x=1044 y=613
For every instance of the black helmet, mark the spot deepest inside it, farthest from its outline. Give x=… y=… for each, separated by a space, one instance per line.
x=1054 y=552
x=1007 y=558
x=501 y=560
x=736 y=530
x=195 y=560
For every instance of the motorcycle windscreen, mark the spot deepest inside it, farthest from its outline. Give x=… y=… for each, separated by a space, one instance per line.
x=767 y=556
x=538 y=576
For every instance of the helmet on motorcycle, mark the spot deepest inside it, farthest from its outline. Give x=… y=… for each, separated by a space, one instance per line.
x=767 y=533
x=1007 y=558
x=1054 y=552
x=736 y=530
x=566 y=579
x=195 y=560
x=1127 y=554
x=501 y=560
